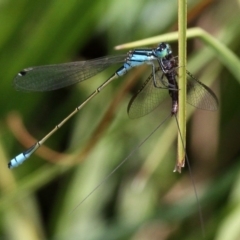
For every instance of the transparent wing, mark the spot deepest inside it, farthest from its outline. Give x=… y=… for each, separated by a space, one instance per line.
x=51 y=77
x=199 y=95
x=148 y=97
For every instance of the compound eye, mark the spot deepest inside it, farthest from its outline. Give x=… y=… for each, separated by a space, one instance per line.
x=162 y=46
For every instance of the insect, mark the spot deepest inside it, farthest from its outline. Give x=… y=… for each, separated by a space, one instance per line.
x=162 y=80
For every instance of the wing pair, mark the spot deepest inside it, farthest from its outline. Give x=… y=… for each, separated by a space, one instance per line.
x=149 y=96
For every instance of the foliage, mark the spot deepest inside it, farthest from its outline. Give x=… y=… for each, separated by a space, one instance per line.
x=143 y=199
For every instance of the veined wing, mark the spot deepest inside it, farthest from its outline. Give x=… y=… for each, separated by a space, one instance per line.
x=51 y=77
x=148 y=96
x=199 y=95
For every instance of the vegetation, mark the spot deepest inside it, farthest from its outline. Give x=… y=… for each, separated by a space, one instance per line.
x=143 y=199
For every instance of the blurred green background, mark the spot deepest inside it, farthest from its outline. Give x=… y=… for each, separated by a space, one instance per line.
x=143 y=199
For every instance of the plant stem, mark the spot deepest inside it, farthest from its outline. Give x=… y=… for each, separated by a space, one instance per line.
x=182 y=30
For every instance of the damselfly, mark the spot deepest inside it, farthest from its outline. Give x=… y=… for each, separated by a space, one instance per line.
x=161 y=81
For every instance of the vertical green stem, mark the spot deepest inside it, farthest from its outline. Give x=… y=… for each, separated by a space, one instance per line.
x=182 y=49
